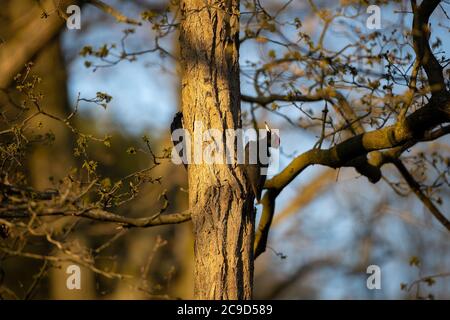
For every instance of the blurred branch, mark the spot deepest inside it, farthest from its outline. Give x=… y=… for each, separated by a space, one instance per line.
x=306 y=194
x=156 y=220
x=421 y=36
x=301 y=272
x=265 y=100
x=36 y=281
x=428 y=279
x=55 y=259
x=415 y=187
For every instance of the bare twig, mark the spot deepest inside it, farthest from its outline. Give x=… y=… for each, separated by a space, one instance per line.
x=113 y=12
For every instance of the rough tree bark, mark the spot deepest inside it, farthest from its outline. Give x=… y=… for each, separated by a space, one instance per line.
x=220 y=204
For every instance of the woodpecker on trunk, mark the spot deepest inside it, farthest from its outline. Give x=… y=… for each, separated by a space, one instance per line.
x=257 y=172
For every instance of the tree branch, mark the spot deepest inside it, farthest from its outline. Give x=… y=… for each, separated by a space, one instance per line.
x=413 y=128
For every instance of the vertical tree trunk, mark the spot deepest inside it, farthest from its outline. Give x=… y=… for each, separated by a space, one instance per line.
x=221 y=206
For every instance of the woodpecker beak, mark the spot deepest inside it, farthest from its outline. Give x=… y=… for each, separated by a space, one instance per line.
x=267 y=126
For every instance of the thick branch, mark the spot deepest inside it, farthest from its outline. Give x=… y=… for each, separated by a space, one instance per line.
x=26 y=43
x=341 y=106
x=261 y=235
x=353 y=152
x=413 y=128
x=265 y=100
x=120 y=17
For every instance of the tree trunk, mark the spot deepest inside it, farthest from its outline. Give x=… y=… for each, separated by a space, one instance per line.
x=220 y=203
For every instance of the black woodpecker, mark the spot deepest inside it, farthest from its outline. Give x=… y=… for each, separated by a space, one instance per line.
x=256 y=172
